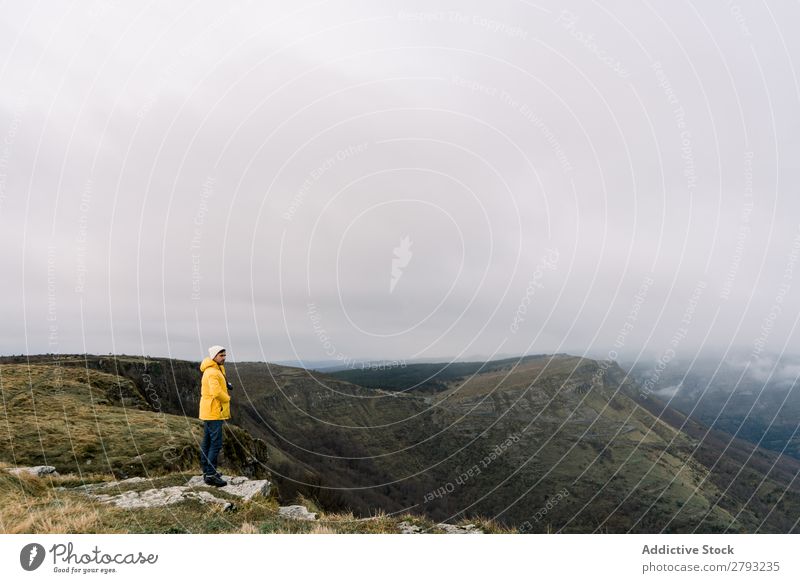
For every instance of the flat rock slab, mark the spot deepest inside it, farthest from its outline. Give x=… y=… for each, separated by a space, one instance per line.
x=296 y=512
x=38 y=471
x=157 y=497
x=408 y=528
x=238 y=486
x=453 y=529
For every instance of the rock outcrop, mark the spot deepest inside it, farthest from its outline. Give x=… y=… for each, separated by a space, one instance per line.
x=156 y=497
x=195 y=489
x=238 y=486
x=465 y=529
x=297 y=512
x=408 y=528
x=37 y=471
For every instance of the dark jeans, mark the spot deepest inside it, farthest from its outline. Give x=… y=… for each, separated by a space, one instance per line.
x=209 y=449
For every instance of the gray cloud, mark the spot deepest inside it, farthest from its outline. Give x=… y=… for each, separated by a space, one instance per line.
x=175 y=178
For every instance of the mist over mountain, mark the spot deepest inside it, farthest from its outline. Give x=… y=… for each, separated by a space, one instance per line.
x=754 y=397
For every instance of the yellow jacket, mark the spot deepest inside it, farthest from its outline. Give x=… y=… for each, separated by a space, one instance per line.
x=215 y=403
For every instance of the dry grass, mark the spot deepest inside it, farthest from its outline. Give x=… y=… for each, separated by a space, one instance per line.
x=31 y=505
x=379 y=523
x=489 y=526
x=310 y=504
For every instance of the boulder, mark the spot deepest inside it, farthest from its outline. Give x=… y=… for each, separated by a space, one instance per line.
x=408 y=528
x=296 y=512
x=465 y=529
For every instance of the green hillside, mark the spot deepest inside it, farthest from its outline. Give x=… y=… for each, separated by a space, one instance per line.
x=579 y=431
x=82 y=420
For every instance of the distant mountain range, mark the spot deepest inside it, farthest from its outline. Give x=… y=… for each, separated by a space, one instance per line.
x=545 y=443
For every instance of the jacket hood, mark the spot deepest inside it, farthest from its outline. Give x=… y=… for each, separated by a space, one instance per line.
x=207 y=363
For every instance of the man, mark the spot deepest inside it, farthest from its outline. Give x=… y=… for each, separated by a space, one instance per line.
x=214 y=409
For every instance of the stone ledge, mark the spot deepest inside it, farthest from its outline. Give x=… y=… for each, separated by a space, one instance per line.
x=408 y=528
x=158 y=497
x=37 y=471
x=238 y=486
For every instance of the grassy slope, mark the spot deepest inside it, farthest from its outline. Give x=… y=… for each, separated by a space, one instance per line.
x=82 y=420
x=625 y=469
x=761 y=481
x=613 y=458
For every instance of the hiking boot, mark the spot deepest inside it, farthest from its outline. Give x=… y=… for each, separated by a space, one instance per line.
x=215 y=480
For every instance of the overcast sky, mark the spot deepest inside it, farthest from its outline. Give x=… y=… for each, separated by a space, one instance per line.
x=348 y=180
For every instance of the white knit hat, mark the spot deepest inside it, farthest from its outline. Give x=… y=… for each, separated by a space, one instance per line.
x=215 y=350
